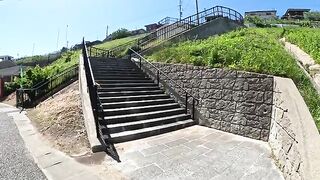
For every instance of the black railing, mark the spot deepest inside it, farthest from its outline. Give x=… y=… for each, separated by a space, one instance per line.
x=179 y=27
x=169 y=31
x=167 y=83
x=29 y=97
x=93 y=88
x=98 y=52
x=168 y=20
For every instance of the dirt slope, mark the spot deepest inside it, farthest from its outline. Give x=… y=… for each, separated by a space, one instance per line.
x=60 y=119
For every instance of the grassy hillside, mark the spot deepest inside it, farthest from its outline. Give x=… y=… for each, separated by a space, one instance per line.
x=251 y=49
x=66 y=60
x=117 y=42
x=306 y=38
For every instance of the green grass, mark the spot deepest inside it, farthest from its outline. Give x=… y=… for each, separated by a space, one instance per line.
x=117 y=42
x=252 y=49
x=306 y=38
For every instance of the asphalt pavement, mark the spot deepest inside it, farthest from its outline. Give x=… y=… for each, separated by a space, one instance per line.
x=15 y=160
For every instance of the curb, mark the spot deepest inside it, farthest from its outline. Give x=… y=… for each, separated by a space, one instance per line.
x=53 y=163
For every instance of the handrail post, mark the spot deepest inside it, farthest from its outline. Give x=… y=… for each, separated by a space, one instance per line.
x=186 y=101
x=140 y=62
x=193 y=108
x=130 y=55
x=158 y=77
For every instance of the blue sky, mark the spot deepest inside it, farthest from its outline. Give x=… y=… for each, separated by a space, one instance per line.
x=25 y=24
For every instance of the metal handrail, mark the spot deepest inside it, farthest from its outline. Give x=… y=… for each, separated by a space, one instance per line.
x=93 y=91
x=190 y=22
x=98 y=52
x=41 y=84
x=30 y=96
x=166 y=32
x=188 y=95
x=89 y=63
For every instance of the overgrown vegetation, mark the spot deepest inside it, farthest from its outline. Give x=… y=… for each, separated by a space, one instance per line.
x=120 y=33
x=306 y=38
x=262 y=23
x=313 y=16
x=128 y=41
x=251 y=49
x=37 y=75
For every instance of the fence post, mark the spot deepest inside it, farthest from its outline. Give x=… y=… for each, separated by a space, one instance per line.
x=140 y=61
x=158 y=77
x=186 y=101
x=193 y=108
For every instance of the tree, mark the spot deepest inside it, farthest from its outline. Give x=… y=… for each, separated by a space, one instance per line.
x=120 y=33
x=313 y=16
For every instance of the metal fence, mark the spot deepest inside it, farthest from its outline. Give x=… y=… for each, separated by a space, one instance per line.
x=29 y=97
x=168 y=31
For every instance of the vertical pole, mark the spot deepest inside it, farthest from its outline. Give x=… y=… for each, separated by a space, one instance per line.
x=193 y=108
x=158 y=77
x=140 y=62
x=186 y=101
x=197 y=8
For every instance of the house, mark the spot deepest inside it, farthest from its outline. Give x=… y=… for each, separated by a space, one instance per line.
x=9 y=69
x=6 y=58
x=137 y=32
x=295 y=14
x=152 y=27
x=268 y=14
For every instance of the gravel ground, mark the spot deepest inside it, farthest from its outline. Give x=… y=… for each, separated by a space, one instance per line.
x=15 y=160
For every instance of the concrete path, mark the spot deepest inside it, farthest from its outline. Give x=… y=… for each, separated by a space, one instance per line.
x=15 y=160
x=306 y=62
x=25 y=154
x=196 y=153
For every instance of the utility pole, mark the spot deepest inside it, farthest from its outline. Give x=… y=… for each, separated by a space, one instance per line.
x=107 y=32
x=180 y=9
x=197 y=8
x=67 y=36
x=58 y=39
x=33 y=49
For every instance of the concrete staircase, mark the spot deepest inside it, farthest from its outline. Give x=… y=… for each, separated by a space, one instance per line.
x=134 y=105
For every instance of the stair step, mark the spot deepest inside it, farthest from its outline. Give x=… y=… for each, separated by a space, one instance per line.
x=103 y=85
x=141 y=116
x=133 y=98
x=123 y=81
x=139 y=109
x=117 y=69
x=150 y=131
x=136 y=103
x=121 y=73
x=120 y=127
x=128 y=89
x=123 y=76
x=129 y=93
x=99 y=77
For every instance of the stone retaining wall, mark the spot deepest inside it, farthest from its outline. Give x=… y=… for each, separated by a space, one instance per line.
x=231 y=101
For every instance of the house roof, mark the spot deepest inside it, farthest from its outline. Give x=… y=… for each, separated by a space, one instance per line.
x=11 y=71
x=5 y=56
x=261 y=11
x=7 y=64
x=150 y=25
x=297 y=10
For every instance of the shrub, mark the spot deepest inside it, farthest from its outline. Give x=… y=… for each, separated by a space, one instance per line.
x=120 y=33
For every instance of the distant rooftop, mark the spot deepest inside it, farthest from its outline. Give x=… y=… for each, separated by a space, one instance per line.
x=261 y=11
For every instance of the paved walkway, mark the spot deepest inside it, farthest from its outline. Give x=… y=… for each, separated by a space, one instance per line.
x=25 y=154
x=15 y=160
x=195 y=153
